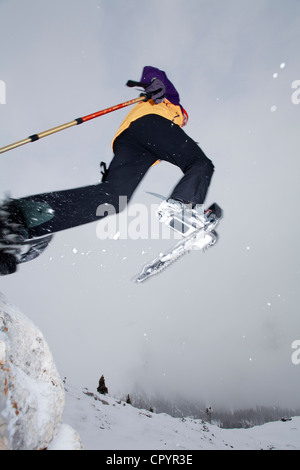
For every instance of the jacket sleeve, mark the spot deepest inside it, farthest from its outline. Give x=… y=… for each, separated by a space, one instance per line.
x=149 y=73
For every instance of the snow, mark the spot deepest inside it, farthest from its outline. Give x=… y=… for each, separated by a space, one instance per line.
x=66 y=439
x=105 y=423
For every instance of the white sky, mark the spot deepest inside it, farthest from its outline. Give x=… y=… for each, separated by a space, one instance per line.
x=223 y=322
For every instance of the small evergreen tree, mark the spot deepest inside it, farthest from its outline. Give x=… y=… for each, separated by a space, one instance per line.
x=102 y=387
x=128 y=400
x=209 y=411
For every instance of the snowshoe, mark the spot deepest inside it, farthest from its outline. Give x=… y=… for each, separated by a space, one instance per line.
x=198 y=232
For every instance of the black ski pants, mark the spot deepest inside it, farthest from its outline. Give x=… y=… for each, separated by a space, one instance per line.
x=147 y=140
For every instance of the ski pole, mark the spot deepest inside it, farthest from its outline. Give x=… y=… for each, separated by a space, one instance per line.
x=77 y=121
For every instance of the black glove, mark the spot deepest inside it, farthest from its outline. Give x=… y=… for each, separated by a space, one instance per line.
x=156 y=90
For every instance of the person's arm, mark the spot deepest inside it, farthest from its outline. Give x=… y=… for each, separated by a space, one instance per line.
x=148 y=78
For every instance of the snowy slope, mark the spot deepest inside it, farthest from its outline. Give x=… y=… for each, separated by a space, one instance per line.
x=105 y=423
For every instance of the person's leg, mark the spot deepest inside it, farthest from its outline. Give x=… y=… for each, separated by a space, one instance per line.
x=60 y=210
x=149 y=138
x=167 y=141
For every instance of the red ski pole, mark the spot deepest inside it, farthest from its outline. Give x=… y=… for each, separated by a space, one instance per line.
x=77 y=121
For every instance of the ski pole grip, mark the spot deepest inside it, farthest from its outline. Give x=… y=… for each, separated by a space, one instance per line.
x=148 y=95
x=133 y=83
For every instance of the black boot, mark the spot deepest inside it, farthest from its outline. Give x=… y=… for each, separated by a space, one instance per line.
x=17 y=246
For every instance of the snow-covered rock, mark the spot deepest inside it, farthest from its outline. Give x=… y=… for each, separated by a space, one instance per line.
x=32 y=396
x=66 y=439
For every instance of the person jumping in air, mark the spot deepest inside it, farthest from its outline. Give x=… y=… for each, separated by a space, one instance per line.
x=151 y=131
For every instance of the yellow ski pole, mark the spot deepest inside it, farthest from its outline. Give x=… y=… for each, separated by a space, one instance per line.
x=77 y=121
